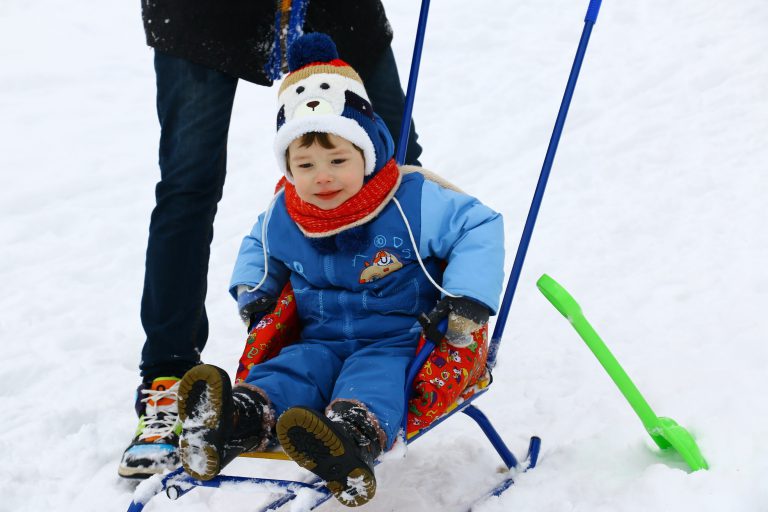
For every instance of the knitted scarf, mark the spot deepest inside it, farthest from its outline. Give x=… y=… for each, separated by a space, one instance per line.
x=315 y=222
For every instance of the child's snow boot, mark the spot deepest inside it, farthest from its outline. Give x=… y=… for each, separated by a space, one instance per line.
x=218 y=423
x=340 y=448
x=155 y=443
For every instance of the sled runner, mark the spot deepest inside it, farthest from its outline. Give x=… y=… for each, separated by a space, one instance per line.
x=427 y=406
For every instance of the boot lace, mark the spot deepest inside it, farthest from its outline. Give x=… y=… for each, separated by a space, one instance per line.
x=160 y=420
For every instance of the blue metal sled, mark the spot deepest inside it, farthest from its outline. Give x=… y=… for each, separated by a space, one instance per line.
x=178 y=483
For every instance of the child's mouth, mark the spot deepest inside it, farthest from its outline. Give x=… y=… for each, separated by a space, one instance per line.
x=327 y=195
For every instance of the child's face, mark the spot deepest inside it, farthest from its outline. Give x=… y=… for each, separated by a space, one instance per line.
x=326 y=177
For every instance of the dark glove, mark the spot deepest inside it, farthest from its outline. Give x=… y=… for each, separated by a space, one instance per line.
x=253 y=306
x=464 y=315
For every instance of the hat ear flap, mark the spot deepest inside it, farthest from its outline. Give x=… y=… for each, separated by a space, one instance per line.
x=386 y=138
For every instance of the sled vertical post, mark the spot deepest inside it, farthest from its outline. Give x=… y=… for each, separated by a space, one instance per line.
x=405 y=124
x=476 y=414
x=525 y=239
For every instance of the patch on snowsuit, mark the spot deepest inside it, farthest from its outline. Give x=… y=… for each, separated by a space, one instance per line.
x=382 y=265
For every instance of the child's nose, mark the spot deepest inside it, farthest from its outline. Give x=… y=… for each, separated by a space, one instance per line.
x=323 y=176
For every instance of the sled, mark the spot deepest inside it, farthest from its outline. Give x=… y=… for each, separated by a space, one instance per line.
x=427 y=404
x=313 y=493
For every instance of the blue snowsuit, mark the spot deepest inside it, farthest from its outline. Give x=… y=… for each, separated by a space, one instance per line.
x=358 y=311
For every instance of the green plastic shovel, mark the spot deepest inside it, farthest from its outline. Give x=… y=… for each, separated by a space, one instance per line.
x=665 y=432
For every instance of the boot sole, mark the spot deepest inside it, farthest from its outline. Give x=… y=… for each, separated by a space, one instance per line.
x=144 y=466
x=138 y=473
x=308 y=439
x=197 y=449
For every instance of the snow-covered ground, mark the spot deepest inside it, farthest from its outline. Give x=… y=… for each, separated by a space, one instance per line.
x=654 y=219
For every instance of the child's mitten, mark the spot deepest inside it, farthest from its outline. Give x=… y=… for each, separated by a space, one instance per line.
x=464 y=315
x=252 y=305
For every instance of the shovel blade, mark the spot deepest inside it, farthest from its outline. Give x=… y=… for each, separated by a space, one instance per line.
x=681 y=441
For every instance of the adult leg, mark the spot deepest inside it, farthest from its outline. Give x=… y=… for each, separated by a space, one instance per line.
x=383 y=86
x=194 y=105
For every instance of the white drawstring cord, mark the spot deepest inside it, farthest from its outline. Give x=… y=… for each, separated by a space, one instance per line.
x=264 y=242
x=416 y=250
x=407 y=225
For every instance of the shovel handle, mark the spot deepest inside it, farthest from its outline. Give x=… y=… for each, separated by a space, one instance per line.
x=571 y=310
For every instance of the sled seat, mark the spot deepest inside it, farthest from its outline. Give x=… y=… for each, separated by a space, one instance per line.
x=445 y=376
x=275 y=452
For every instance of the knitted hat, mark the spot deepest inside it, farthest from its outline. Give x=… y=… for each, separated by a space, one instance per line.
x=322 y=93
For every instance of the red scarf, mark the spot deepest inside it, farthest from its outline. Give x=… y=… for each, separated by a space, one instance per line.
x=315 y=222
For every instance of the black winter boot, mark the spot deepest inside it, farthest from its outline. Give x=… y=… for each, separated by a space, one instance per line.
x=218 y=423
x=340 y=449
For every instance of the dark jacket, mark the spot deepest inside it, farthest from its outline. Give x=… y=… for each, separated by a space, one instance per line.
x=237 y=36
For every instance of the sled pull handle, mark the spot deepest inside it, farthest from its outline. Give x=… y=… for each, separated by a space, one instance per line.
x=538 y=195
x=413 y=76
x=592 y=10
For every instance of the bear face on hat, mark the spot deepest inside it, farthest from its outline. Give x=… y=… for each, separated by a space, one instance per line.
x=324 y=94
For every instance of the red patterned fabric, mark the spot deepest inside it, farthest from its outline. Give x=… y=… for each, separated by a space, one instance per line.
x=449 y=375
x=372 y=197
x=275 y=331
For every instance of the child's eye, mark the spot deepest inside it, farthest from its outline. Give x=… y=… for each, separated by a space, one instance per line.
x=338 y=161
x=305 y=166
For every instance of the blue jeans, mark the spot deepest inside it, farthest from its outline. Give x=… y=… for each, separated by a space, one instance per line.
x=194 y=106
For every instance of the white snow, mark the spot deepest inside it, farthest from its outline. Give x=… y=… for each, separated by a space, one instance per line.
x=193 y=434
x=654 y=219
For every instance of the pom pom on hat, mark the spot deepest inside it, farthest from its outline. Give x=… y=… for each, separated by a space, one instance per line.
x=315 y=47
x=322 y=93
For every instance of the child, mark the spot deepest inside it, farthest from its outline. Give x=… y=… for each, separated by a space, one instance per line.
x=363 y=244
